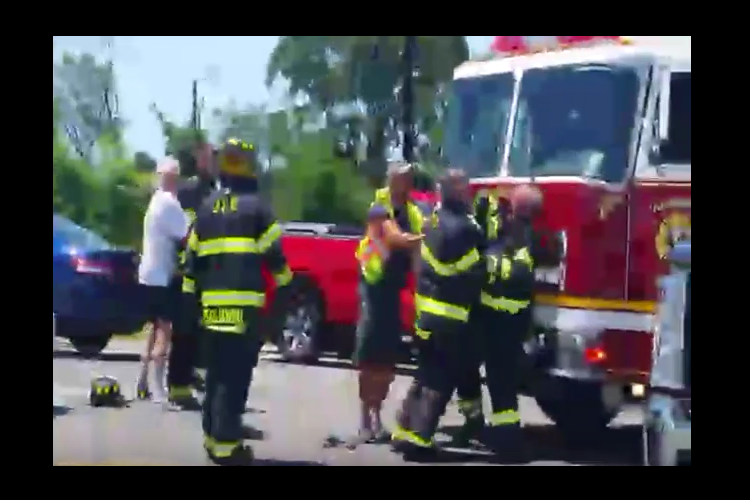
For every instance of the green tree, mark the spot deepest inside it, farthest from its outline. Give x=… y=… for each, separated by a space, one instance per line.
x=304 y=178
x=356 y=73
x=103 y=192
x=86 y=91
x=180 y=140
x=144 y=162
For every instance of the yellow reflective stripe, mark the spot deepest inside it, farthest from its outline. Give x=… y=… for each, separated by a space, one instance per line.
x=461 y=265
x=191 y=215
x=505 y=417
x=401 y=434
x=218 y=246
x=511 y=306
x=221 y=298
x=269 y=237
x=220 y=449
x=444 y=309
x=283 y=277
x=493 y=227
x=416 y=219
x=236 y=329
x=188 y=285
x=422 y=334
x=524 y=256
x=180 y=392
x=192 y=242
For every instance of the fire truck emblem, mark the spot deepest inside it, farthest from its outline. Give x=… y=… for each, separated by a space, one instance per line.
x=673 y=228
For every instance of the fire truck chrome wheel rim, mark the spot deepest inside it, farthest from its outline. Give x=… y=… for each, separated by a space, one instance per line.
x=298 y=331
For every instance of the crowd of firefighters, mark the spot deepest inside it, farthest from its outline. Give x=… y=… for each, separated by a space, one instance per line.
x=474 y=278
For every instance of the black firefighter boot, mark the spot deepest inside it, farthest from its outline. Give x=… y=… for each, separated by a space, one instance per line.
x=507 y=443
x=185 y=402
x=424 y=416
x=471 y=431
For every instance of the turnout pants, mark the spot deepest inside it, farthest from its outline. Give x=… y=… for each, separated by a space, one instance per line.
x=442 y=359
x=503 y=336
x=184 y=352
x=231 y=359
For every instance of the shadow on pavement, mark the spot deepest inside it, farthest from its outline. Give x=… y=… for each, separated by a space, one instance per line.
x=267 y=462
x=60 y=411
x=341 y=364
x=616 y=446
x=117 y=357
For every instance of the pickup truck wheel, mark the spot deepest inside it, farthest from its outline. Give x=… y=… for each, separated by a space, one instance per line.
x=90 y=347
x=577 y=409
x=299 y=338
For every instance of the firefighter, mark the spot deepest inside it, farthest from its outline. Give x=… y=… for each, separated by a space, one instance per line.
x=233 y=238
x=450 y=278
x=504 y=319
x=386 y=255
x=185 y=337
x=469 y=389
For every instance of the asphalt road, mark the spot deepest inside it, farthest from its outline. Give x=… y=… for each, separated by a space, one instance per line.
x=298 y=408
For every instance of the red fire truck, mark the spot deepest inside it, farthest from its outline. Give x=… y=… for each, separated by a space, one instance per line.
x=603 y=128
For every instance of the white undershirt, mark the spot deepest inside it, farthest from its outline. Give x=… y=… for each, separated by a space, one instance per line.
x=164 y=226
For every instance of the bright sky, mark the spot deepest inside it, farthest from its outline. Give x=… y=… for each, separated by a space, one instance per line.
x=159 y=69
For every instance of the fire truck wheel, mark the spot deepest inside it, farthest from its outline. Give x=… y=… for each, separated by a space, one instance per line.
x=576 y=408
x=299 y=340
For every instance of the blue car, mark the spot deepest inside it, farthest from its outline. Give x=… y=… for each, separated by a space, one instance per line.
x=95 y=291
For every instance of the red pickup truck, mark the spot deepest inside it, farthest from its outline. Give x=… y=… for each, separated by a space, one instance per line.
x=325 y=303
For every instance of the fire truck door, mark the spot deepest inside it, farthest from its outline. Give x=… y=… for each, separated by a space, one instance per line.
x=660 y=194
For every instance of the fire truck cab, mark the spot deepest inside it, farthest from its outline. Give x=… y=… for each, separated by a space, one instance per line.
x=603 y=129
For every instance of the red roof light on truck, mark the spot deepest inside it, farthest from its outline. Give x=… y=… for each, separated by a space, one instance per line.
x=518 y=45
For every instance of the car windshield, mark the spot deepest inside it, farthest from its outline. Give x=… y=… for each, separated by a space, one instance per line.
x=477 y=123
x=74 y=235
x=575 y=120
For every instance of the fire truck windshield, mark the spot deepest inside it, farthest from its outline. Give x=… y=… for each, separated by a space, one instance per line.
x=477 y=123
x=575 y=121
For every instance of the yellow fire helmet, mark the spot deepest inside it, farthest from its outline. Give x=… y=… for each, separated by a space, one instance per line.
x=237 y=158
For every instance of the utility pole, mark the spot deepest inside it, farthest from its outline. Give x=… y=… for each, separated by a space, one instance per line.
x=195 y=116
x=408 y=60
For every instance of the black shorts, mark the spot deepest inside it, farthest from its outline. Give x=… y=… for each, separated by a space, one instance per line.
x=161 y=302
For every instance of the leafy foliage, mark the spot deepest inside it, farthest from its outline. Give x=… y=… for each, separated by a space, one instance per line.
x=323 y=156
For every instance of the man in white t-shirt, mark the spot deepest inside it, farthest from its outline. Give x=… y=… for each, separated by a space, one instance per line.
x=165 y=226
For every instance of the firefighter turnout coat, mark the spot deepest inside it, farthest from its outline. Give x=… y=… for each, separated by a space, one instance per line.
x=452 y=270
x=233 y=237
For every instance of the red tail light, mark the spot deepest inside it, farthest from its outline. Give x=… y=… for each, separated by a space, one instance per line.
x=86 y=266
x=595 y=355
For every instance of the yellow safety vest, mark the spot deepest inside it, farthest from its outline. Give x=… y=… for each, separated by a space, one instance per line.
x=373 y=254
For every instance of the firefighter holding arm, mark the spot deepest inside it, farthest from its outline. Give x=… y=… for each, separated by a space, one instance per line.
x=451 y=274
x=504 y=319
x=469 y=389
x=233 y=237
